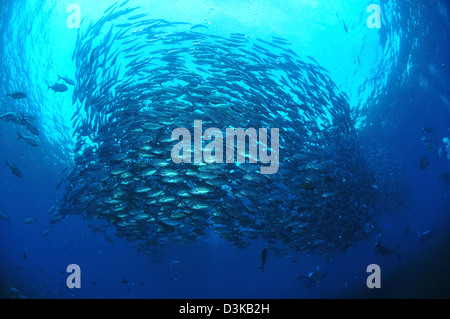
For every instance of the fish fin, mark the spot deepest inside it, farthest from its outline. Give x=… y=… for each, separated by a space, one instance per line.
x=20 y=136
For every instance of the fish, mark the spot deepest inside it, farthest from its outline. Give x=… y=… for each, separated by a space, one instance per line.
x=124 y=3
x=138 y=16
x=32 y=128
x=9 y=116
x=30 y=220
x=18 y=95
x=263 y=259
x=345 y=27
x=384 y=251
x=109 y=8
x=424 y=163
x=14 y=169
x=29 y=140
x=199 y=26
x=47 y=232
x=200 y=191
x=57 y=87
x=428 y=130
x=108 y=239
x=67 y=80
x=424 y=235
x=3 y=216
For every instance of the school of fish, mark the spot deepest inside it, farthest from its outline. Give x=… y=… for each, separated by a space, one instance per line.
x=139 y=79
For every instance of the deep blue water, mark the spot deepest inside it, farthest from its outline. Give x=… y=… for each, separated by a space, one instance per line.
x=396 y=78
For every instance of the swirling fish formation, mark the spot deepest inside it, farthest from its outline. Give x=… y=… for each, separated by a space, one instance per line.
x=139 y=79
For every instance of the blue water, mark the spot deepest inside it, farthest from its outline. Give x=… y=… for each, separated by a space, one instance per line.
x=396 y=78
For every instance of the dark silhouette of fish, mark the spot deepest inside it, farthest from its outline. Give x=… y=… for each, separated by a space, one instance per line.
x=29 y=140
x=58 y=87
x=108 y=239
x=66 y=79
x=3 y=216
x=18 y=95
x=424 y=235
x=14 y=169
x=263 y=259
x=10 y=116
x=384 y=251
x=199 y=26
x=345 y=27
x=47 y=232
x=424 y=162
x=428 y=130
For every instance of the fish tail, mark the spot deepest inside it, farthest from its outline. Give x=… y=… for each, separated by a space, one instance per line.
x=7 y=164
x=20 y=136
x=262 y=268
